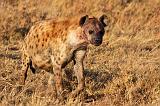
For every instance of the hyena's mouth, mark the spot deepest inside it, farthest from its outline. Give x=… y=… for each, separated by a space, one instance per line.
x=96 y=42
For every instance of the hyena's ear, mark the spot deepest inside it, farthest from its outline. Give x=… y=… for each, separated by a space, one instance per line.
x=102 y=20
x=83 y=20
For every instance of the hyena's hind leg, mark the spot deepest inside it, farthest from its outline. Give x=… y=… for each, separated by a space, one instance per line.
x=25 y=65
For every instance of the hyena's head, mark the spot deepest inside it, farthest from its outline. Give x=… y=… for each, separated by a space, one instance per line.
x=93 y=29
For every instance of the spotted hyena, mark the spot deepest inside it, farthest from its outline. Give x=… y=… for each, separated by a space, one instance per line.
x=51 y=45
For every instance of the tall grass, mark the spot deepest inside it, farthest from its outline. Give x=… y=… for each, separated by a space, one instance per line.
x=124 y=70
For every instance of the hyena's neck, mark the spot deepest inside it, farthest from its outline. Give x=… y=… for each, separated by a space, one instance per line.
x=77 y=37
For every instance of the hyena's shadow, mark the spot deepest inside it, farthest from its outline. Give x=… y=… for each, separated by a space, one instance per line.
x=95 y=80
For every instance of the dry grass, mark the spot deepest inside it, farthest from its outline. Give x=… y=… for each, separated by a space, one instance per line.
x=124 y=72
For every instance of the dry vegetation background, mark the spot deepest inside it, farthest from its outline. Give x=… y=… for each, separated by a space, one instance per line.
x=124 y=72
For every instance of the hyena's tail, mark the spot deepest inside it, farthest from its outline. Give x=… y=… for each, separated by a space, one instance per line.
x=32 y=68
x=25 y=66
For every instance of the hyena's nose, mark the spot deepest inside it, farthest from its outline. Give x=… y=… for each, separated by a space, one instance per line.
x=97 y=40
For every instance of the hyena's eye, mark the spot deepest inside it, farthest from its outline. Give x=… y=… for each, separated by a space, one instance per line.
x=101 y=32
x=91 y=31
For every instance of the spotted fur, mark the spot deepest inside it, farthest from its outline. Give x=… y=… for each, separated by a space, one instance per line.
x=52 y=44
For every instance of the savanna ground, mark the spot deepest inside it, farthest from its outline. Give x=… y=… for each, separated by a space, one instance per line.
x=123 y=71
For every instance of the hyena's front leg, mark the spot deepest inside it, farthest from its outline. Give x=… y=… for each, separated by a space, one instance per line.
x=58 y=80
x=78 y=69
x=57 y=76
